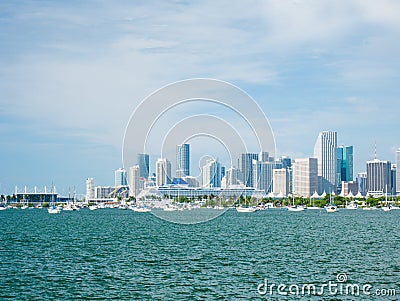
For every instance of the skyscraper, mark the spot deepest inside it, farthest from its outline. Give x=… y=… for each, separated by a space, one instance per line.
x=89 y=188
x=281 y=181
x=120 y=178
x=144 y=165
x=263 y=175
x=134 y=180
x=325 y=152
x=398 y=171
x=163 y=172
x=246 y=168
x=182 y=160
x=345 y=163
x=305 y=176
x=362 y=183
x=232 y=176
x=379 y=176
x=212 y=174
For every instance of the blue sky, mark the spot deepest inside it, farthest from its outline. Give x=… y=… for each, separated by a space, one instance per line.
x=72 y=72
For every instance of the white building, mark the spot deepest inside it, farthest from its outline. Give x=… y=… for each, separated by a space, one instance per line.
x=326 y=154
x=89 y=188
x=305 y=176
x=212 y=174
x=280 y=181
x=163 y=172
x=232 y=176
x=134 y=180
x=120 y=177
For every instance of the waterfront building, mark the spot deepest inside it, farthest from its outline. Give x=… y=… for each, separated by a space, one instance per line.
x=175 y=190
x=134 y=180
x=143 y=161
x=104 y=192
x=349 y=186
x=362 y=183
x=398 y=171
x=232 y=176
x=182 y=160
x=344 y=165
x=191 y=181
x=120 y=177
x=280 y=181
x=379 y=177
x=163 y=172
x=325 y=151
x=305 y=176
x=89 y=188
x=211 y=173
x=263 y=175
x=246 y=168
x=393 y=180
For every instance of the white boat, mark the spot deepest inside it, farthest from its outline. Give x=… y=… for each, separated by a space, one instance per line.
x=331 y=208
x=141 y=209
x=245 y=209
x=24 y=207
x=53 y=210
x=352 y=206
x=170 y=209
x=313 y=208
x=295 y=208
x=219 y=208
x=3 y=208
x=93 y=207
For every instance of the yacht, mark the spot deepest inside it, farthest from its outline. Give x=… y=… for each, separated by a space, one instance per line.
x=53 y=210
x=245 y=209
x=331 y=208
x=295 y=208
x=352 y=206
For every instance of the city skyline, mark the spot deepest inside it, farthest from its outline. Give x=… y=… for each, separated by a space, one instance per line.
x=73 y=74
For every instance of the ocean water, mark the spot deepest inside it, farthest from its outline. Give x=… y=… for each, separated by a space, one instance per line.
x=123 y=255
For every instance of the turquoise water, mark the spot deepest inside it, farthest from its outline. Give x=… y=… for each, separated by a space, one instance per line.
x=122 y=255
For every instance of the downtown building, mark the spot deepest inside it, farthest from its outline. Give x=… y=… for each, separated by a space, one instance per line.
x=182 y=160
x=281 y=182
x=163 y=172
x=325 y=151
x=143 y=161
x=305 y=177
x=135 y=182
x=379 y=177
x=120 y=178
x=211 y=172
x=398 y=172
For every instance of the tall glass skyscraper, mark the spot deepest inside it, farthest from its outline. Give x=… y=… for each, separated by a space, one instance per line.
x=246 y=168
x=326 y=153
x=120 y=177
x=212 y=174
x=345 y=163
x=182 y=160
x=144 y=165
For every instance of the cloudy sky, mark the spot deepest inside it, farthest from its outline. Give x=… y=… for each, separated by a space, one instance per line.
x=72 y=72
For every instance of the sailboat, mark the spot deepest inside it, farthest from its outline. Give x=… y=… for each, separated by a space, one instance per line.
x=387 y=207
x=245 y=209
x=330 y=207
x=295 y=208
x=53 y=209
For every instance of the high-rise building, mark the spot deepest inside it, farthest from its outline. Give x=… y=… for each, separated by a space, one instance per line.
x=362 y=183
x=120 y=178
x=286 y=161
x=325 y=152
x=393 y=180
x=212 y=174
x=379 y=177
x=305 y=176
x=246 y=168
x=182 y=160
x=163 y=172
x=134 y=180
x=281 y=181
x=398 y=171
x=345 y=163
x=89 y=188
x=232 y=176
x=263 y=175
x=143 y=160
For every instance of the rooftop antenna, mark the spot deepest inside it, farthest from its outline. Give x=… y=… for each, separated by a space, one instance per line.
x=375 y=152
